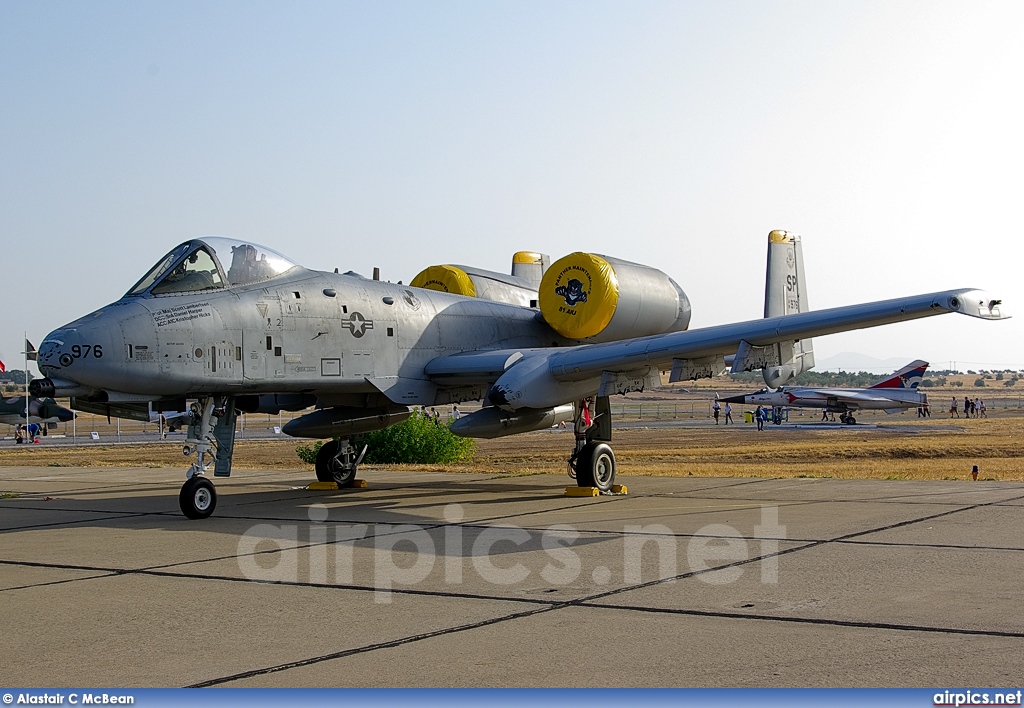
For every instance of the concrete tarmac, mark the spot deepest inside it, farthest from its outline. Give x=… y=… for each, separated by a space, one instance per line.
x=472 y=580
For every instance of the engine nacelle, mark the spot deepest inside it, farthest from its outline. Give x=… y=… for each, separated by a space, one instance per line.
x=520 y=288
x=603 y=299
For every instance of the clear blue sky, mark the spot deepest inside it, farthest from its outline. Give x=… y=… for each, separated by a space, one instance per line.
x=405 y=134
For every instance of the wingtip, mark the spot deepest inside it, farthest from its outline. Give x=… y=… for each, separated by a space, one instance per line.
x=977 y=303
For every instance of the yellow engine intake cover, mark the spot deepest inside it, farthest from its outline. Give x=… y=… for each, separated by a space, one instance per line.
x=446 y=279
x=578 y=295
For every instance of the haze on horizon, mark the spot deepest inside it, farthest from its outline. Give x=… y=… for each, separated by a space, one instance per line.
x=404 y=134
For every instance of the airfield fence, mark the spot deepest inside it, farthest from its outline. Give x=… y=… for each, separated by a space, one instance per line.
x=263 y=426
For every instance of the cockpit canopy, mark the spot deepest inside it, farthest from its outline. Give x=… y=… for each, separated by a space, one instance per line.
x=198 y=265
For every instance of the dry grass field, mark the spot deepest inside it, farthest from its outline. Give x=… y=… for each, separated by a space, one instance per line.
x=898 y=447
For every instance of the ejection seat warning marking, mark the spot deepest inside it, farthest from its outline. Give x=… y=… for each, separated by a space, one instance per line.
x=182 y=313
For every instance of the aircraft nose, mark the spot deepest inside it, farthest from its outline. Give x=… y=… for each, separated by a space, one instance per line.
x=80 y=352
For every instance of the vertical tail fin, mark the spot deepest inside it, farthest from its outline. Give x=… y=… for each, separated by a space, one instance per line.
x=909 y=376
x=785 y=294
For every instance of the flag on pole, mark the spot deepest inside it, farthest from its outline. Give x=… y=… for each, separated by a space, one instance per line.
x=3 y=369
x=30 y=351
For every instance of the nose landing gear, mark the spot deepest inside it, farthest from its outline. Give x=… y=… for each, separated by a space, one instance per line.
x=211 y=438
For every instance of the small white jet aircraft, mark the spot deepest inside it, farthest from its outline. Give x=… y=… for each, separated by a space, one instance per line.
x=893 y=394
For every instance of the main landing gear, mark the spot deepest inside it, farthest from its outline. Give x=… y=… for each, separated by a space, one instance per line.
x=592 y=463
x=337 y=461
x=847 y=418
x=211 y=438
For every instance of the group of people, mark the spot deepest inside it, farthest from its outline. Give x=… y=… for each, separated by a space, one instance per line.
x=716 y=409
x=923 y=411
x=973 y=408
x=29 y=433
x=432 y=414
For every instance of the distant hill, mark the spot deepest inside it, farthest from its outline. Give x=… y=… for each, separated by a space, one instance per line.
x=853 y=362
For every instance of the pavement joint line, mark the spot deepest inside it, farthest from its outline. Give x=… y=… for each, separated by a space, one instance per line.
x=567 y=507
x=282 y=550
x=951 y=546
x=864 y=500
x=110 y=517
x=59 y=582
x=116 y=572
x=908 y=522
x=87 y=490
x=369 y=647
x=785 y=551
x=810 y=620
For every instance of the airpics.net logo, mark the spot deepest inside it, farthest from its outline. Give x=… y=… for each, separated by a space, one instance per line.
x=461 y=556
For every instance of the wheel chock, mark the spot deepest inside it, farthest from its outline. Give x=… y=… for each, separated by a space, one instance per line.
x=619 y=489
x=582 y=492
x=333 y=486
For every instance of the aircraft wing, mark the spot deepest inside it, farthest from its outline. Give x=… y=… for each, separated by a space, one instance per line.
x=542 y=378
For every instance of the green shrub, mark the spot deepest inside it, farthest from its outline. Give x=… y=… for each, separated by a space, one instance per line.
x=418 y=440
x=979 y=383
x=307 y=453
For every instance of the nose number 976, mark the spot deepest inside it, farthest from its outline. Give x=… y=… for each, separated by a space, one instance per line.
x=83 y=351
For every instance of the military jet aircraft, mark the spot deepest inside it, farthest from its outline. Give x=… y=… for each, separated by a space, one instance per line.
x=40 y=410
x=892 y=394
x=239 y=327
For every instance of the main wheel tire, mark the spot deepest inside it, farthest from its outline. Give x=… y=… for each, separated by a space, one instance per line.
x=595 y=466
x=198 y=497
x=328 y=469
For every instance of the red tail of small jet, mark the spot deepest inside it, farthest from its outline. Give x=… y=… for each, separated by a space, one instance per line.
x=910 y=376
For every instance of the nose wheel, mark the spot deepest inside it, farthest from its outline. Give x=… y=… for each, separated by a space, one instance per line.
x=198 y=497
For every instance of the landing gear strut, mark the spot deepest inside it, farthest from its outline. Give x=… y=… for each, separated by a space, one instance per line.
x=211 y=438
x=592 y=463
x=337 y=461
